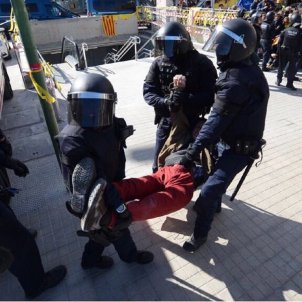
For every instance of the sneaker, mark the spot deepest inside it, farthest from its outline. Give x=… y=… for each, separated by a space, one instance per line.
x=265 y=69
x=193 y=244
x=51 y=279
x=297 y=79
x=96 y=207
x=103 y=262
x=291 y=87
x=144 y=257
x=83 y=177
x=278 y=82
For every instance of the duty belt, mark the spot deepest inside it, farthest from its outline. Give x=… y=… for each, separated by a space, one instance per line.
x=245 y=146
x=256 y=154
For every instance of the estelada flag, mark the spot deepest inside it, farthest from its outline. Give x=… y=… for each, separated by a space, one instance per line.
x=108 y=25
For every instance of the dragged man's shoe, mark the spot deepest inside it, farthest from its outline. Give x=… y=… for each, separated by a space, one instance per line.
x=103 y=262
x=193 y=244
x=265 y=69
x=144 y=257
x=291 y=87
x=96 y=207
x=83 y=177
x=51 y=279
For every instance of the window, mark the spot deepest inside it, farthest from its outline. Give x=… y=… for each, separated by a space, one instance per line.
x=31 y=7
x=5 y=8
x=114 y=5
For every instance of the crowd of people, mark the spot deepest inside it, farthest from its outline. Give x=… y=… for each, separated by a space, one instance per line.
x=209 y=128
x=279 y=38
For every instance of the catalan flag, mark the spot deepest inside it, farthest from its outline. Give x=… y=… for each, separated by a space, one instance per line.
x=108 y=25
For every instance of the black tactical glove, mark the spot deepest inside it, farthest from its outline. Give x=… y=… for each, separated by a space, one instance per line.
x=187 y=162
x=20 y=169
x=124 y=219
x=175 y=100
x=188 y=159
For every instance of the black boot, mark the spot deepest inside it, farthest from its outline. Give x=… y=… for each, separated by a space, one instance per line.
x=291 y=87
x=144 y=257
x=193 y=244
x=51 y=279
x=103 y=262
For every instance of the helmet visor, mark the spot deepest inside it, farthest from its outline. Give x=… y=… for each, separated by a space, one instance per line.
x=222 y=40
x=92 y=110
x=169 y=45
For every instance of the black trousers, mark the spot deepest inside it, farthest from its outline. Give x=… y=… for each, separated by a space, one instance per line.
x=162 y=133
x=27 y=265
x=124 y=245
x=289 y=59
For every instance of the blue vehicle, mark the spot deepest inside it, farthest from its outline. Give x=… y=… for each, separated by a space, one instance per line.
x=38 y=10
x=112 y=7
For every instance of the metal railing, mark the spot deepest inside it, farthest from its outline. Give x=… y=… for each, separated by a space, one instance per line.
x=71 y=54
x=117 y=55
x=146 y=52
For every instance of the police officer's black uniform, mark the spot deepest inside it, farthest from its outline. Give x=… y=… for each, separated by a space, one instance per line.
x=179 y=58
x=237 y=120
x=267 y=35
x=288 y=47
x=95 y=132
x=18 y=250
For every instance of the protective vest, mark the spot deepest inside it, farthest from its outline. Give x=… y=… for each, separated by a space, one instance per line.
x=200 y=76
x=291 y=39
x=105 y=146
x=267 y=31
x=249 y=121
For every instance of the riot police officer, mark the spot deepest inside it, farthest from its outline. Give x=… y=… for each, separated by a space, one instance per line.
x=92 y=146
x=237 y=119
x=197 y=73
x=256 y=20
x=288 y=47
x=267 y=35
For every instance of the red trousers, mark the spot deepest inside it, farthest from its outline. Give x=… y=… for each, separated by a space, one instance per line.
x=166 y=191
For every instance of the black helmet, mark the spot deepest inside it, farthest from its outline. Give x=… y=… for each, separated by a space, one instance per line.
x=270 y=16
x=256 y=18
x=295 y=20
x=91 y=101
x=241 y=13
x=233 y=41
x=173 y=40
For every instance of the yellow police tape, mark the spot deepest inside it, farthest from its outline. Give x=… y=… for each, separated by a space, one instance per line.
x=43 y=93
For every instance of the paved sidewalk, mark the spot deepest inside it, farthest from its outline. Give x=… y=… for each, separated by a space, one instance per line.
x=254 y=251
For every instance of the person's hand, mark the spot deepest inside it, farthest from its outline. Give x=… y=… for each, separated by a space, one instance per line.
x=187 y=161
x=179 y=81
x=175 y=100
x=20 y=169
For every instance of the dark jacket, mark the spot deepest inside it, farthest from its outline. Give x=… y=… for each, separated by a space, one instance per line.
x=267 y=31
x=104 y=146
x=291 y=40
x=199 y=92
x=240 y=107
